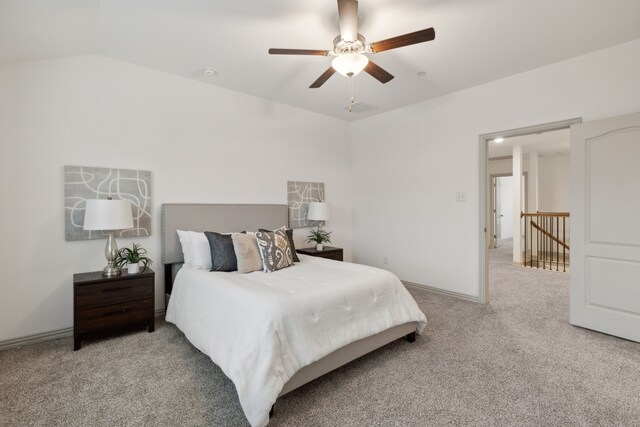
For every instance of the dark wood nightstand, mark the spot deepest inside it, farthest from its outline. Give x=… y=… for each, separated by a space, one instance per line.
x=328 y=252
x=106 y=305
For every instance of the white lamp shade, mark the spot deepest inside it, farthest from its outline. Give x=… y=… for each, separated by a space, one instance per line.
x=349 y=64
x=319 y=211
x=108 y=215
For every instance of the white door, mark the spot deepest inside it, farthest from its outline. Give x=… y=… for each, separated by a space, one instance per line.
x=497 y=211
x=605 y=226
x=505 y=212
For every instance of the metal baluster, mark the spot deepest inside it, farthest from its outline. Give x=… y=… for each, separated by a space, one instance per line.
x=538 y=242
x=564 y=249
x=549 y=254
x=544 y=243
x=551 y=244
x=557 y=243
x=530 y=244
x=549 y=231
x=525 y=240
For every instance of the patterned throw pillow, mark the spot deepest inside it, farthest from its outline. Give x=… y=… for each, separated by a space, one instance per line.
x=274 y=250
x=289 y=232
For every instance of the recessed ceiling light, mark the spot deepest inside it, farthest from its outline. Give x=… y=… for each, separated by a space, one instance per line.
x=209 y=72
x=422 y=73
x=498 y=140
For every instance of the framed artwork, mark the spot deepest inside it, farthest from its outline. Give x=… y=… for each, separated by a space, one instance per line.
x=84 y=182
x=299 y=194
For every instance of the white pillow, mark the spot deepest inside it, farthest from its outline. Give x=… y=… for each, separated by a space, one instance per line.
x=185 y=242
x=200 y=251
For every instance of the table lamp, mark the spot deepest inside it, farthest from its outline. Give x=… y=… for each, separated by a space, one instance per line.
x=108 y=215
x=319 y=211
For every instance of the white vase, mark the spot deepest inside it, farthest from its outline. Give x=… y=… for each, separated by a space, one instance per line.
x=319 y=246
x=133 y=268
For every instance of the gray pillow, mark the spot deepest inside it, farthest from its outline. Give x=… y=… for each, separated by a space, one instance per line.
x=247 y=252
x=289 y=231
x=274 y=250
x=223 y=256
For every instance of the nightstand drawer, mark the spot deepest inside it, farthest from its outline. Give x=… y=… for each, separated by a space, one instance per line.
x=329 y=252
x=110 y=316
x=337 y=255
x=100 y=294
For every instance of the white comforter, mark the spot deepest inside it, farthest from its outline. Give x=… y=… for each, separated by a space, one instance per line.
x=262 y=328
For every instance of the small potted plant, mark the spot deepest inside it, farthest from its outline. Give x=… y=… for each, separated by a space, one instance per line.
x=132 y=258
x=320 y=237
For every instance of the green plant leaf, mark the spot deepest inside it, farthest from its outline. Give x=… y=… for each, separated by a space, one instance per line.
x=134 y=255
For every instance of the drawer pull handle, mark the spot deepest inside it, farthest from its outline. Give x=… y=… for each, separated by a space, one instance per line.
x=112 y=313
x=116 y=289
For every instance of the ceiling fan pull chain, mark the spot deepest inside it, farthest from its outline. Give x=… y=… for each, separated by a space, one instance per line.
x=351 y=93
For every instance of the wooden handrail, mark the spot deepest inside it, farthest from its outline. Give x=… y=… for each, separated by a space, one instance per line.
x=549 y=235
x=545 y=214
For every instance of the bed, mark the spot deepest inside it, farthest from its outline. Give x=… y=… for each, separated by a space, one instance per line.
x=272 y=333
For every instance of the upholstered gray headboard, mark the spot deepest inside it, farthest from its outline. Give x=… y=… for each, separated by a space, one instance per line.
x=214 y=217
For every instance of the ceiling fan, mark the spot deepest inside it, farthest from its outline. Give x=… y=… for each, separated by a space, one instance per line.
x=349 y=47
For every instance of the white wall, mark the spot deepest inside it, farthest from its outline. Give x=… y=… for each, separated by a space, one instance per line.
x=532 y=182
x=554 y=176
x=208 y=144
x=202 y=144
x=404 y=206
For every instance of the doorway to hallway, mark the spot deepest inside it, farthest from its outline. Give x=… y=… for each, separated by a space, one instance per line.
x=537 y=165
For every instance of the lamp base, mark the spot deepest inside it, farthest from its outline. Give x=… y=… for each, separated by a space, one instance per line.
x=110 y=271
x=110 y=252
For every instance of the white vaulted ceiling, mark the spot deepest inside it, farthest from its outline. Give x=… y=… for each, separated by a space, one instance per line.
x=477 y=41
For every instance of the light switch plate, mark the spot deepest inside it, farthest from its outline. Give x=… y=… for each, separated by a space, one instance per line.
x=461 y=197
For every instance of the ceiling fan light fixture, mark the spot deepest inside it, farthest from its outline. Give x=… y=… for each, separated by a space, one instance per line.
x=350 y=64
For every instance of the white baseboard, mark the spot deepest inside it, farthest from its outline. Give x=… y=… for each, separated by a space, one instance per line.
x=35 y=338
x=48 y=336
x=442 y=291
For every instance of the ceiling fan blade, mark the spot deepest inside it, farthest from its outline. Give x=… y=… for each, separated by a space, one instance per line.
x=348 y=15
x=378 y=73
x=298 y=52
x=404 y=40
x=323 y=78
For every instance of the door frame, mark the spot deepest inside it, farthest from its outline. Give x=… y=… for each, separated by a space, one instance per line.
x=483 y=235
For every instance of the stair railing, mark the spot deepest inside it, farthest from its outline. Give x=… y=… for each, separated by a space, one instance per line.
x=546 y=240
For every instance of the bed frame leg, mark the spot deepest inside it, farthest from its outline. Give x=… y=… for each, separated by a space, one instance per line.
x=411 y=337
x=271 y=411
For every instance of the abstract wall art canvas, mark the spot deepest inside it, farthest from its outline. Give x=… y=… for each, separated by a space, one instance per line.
x=82 y=183
x=299 y=194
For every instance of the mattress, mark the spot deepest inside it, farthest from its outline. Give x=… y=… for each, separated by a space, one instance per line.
x=261 y=328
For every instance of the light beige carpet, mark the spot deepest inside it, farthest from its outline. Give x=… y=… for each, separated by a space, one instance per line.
x=514 y=362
